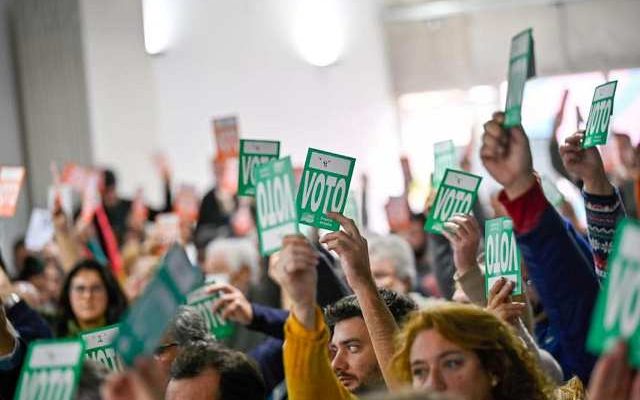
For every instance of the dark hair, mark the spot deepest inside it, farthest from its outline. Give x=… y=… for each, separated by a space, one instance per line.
x=109 y=178
x=239 y=376
x=32 y=266
x=418 y=217
x=116 y=301
x=348 y=307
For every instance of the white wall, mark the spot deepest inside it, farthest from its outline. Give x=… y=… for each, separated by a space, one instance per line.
x=10 y=143
x=237 y=56
x=472 y=49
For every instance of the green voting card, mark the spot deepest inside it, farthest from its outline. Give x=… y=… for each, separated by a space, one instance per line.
x=144 y=324
x=617 y=311
x=456 y=195
x=275 y=204
x=501 y=254
x=324 y=187
x=51 y=370
x=252 y=153
x=99 y=347
x=600 y=115
x=203 y=303
x=444 y=156
x=521 y=67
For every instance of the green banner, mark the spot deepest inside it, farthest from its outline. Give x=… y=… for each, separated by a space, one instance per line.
x=521 y=67
x=617 y=312
x=99 y=347
x=252 y=153
x=600 y=115
x=275 y=204
x=144 y=324
x=324 y=187
x=501 y=254
x=456 y=195
x=203 y=303
x=51 y=370
x=444 y=157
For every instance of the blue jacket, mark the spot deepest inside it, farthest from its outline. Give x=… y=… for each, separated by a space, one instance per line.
x=560 y=264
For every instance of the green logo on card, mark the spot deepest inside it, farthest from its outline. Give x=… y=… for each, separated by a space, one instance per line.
x=275 y=202
x=521 y=67
x=203 y=303
x=501 y=256
x=51 y=370
x=252 y=153
x=600 y=115
x=456 y=195
x=144 y=324
x=617 y=311
x=98 y=346
x=324 y=187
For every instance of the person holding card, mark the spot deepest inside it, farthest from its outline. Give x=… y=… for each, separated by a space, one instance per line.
x=559 y=261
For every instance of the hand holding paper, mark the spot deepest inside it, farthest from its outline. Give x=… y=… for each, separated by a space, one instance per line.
x=499 y=302
x=232 y=303
x=507 y=156
x=585 y=164
x=463 y=232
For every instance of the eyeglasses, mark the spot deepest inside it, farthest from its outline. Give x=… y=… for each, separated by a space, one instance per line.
x=80 y=289
x=160 y=350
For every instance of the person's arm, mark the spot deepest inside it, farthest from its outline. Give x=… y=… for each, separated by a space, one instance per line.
x=603 y=204
x=560 y=270
x=354 y=256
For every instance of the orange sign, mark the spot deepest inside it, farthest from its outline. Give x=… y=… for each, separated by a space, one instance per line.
x=226 y=136
x=10 y=181
x=187 y=203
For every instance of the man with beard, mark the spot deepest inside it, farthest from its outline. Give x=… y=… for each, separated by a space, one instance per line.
x=351 y=367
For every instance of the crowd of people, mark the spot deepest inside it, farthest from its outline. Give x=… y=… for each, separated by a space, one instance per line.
x=351 y=313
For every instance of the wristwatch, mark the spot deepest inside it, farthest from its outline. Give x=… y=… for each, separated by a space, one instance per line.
x=10 y=300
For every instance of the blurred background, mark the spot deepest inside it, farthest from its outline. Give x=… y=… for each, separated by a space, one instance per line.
x=111 y=83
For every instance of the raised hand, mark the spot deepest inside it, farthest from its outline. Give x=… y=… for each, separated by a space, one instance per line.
x=585 y=164
x=295 y=271
x=612 y=377
x=500 y=303
x=232 y=303
x=507 y=156
x=353 y=251
x=463 y=232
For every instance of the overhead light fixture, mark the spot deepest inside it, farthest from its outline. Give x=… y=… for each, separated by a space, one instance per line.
x=318 y=31
x=156 y=18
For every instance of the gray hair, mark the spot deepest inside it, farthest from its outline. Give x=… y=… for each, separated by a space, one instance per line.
x=395 y=249
x=237 y=252
x=187 y=326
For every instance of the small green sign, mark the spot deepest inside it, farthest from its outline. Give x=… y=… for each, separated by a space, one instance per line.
x=252 y=153
x=99 y=347
x=51 y=370
x=444 y=156
x=144 y=324
x=203 y=303
x=551 y=192
x=617 y=312
x=501 y=254
x=600 y=115
x=456 y=195
x=522 y=66
x=275 y=204
x=324 y=187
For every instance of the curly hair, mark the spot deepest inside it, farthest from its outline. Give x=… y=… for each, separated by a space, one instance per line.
x=500 y=351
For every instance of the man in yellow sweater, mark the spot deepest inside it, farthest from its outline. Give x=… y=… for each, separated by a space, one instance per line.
x=338 y=360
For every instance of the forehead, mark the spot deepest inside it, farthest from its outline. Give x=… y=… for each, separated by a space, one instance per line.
x=350 y=329
x=86 y=276
x=204 y=386
x=429 y=344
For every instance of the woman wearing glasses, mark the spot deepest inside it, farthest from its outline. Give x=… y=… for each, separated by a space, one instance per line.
x=91 y=298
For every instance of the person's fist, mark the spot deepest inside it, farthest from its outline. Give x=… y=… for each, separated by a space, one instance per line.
x=232 y=304
x=463 y=232
x=585 y=164
x=500 y=302
x=294 y=269
x=507 y=157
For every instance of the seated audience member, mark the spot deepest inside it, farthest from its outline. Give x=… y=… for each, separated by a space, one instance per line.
x=353 y=367
x=392 y=263
x=464 y=351
x=186 y=327
x=208 y=371
x=91 y=298
x=553 y=251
